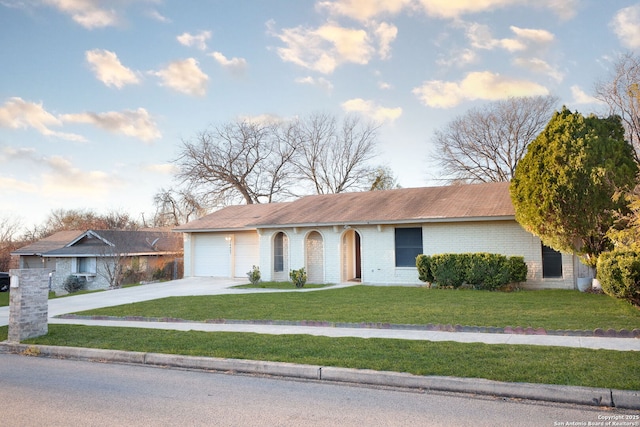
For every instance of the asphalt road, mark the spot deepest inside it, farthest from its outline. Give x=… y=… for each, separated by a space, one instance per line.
x=53 y=392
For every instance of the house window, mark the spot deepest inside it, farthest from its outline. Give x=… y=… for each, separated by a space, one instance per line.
x=408 y=246
x=551 y=262
x=278 y=252
x=85 y=265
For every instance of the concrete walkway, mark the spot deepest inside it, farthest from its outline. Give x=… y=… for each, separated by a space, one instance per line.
x=208 y=286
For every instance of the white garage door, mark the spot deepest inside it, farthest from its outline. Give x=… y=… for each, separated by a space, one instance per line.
x=247 y=253
x=211 y=256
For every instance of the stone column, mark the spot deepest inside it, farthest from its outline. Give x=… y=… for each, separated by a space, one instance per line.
x=28 y=303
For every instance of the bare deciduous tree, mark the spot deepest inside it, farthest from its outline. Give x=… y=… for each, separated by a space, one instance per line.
x=176 y=207
x=333 y=157
x=485 y=144
x=239 y=160
x=80 y=219
x=9 y=228
x=262 y=163
x=621 y=92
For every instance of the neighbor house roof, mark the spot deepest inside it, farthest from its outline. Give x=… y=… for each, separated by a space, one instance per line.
x=55 y=241
x=407 y=205
x=109 y=242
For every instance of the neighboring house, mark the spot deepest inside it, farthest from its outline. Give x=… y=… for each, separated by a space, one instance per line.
x=371 y=237
x=102 y=257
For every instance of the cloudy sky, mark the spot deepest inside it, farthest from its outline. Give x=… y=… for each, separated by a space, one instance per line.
x=95 y=96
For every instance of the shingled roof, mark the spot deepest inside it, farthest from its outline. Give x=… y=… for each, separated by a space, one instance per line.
x=406 y=205
x=55 y=241
x=105 y=242
x=95 y=242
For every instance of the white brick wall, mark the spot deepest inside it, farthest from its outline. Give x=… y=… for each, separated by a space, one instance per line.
x=378 y=251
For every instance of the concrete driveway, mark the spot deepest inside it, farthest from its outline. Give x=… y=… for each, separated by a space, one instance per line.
x=183 y=287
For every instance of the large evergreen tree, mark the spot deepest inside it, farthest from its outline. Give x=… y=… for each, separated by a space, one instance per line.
x=569 y=186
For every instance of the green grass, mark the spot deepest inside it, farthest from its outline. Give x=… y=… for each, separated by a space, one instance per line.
x=279 y=285
x=4 y=299
x=549 y=309
x=511 y=363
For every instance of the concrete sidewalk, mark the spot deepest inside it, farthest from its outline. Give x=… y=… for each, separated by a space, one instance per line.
x=620 y=344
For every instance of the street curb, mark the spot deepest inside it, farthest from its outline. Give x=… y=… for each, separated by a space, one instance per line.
x=588 y=396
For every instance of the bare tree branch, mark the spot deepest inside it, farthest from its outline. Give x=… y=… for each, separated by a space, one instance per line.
x=485 y=144
x=621 y=92
x=334 y=158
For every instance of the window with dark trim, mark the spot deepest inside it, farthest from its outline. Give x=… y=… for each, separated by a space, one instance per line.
x=551 y=262
x=408 y=246
x=278 y=252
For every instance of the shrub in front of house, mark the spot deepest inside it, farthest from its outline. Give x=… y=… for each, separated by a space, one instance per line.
x=254 y=275
x=448 y=270
x=423 y=262
x=73 y=283
x=487 y=271
x=518 y=269
x=477 y=270
x=298 y=277
x=619 y=275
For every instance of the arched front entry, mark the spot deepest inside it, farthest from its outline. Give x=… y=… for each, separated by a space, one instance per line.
x=350 y=256
x=314 y=249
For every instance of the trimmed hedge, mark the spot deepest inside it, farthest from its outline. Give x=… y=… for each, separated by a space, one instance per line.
x=479 y=270
x=619 y=275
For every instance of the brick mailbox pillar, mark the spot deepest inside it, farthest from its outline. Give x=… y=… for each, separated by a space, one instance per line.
x=28 y=303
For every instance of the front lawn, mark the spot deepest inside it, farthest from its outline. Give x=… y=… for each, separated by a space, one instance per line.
x=549 y=309
x=511 y=363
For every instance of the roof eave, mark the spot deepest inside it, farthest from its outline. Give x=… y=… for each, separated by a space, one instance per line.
x=391 y=222
x=220 y=230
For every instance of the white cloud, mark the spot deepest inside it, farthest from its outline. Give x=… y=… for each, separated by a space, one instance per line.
x=372 y=110
x=476 y=85
x=88 y=13
x=319 y=81
x=135 y=123
x=458 y=58
x=538 y=65
x=451 y=9
x=154 y=14
x=162 y=169
x=363 y=10
x=64 y=179
x=184 y=76
x=264 y=119
x=581 y=97
x=235 y=65
x=59 y=177
x=17 y=113
x=481 y=38
x=12 y=185
x=198 y=40
x=533 y=35
x=386 y=34
x=109 y=70
x=626 y=25
x=324 y=48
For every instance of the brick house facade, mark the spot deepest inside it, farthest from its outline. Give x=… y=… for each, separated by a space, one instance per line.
x=370 y=237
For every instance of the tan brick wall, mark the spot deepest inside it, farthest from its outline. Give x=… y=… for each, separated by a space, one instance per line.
x=315 y=257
